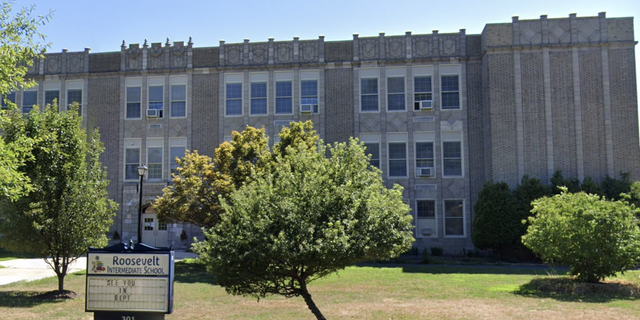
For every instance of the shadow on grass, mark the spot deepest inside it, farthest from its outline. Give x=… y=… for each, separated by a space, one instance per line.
x=569 y=290
x=26 y=299
x=482 y=269
x=192 y=271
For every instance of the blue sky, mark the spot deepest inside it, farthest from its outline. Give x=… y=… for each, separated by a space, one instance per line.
x=103 y=25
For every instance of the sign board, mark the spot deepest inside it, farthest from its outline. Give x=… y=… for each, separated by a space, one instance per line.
x=133 y=280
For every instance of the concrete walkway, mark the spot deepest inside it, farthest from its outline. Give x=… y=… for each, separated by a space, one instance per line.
x=34 y=269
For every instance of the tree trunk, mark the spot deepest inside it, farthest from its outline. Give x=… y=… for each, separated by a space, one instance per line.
x=61 y=282
x=307 y=298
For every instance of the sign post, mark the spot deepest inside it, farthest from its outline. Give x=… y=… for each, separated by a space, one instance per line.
x=130 y=282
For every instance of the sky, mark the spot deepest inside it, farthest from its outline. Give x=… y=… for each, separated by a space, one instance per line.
x=103 y=25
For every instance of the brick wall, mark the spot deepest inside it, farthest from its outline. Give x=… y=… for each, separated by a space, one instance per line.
x=562 y=112
x=533 y=115
x=339 y=122
x=205 y=111
x=104 y=62
x=338 y=51
x=591 y=100
x=206 y=57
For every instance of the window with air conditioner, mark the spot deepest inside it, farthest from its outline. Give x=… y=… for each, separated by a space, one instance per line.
x=424 y=159
x=422 y=92
x=309 y=96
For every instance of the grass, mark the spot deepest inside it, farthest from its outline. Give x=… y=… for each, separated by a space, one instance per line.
x=7 y=255
x=373 y=292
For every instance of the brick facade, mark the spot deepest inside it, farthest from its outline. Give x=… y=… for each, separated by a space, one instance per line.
x=525 y=97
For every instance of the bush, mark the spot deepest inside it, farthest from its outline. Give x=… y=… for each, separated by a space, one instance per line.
x=496 y=225
x=436 y=251
x=596 y=238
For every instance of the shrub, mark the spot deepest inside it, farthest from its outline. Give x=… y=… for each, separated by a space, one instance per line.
x=596 y=238
x=496 y=225
x=436 y=251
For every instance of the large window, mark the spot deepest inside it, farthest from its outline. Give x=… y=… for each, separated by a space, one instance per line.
x=154 y=162
x=133 y=103
x=156 y=99
x=178 y=147
x=309 y=94
x=75 y=95
x=397 y=159
x=424 y=155
x=452 y=158
x=373 y=149
x=132 y=161
x=422 y=90
x=369 y=94
x=29 y=99
x=426 y=209
x=450 y=92
x=258 y=98
x=454 y=217
x=10 y=97
x=178 y=100
x=234 y=99
x=50 y=96
x=395 y=94
x=284 y=97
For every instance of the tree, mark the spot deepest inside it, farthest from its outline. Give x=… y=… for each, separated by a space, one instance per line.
x=68 y=209
x=524 y=194
x=18 y=49
x=315 y=211
x=595 y=237
x=496 y=224
x=200 y=183
x=614 y=188
x=590 y=186
x=558 y=180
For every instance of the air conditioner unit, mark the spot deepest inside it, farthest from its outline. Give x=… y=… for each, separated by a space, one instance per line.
x=425 y=172
x=425 y=232
x=152 y=113
x=306 y=108
x=425 y=104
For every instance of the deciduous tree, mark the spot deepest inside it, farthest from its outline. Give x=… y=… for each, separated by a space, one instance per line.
x=68 y=209
x=315 y=211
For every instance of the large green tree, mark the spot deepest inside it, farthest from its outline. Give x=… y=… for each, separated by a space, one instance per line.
x=20 y=45
x=496 y=225
x=201 y=182
x=68 y=209
x=316 y=210
x=595 y=237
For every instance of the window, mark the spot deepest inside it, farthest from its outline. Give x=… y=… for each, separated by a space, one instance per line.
x=177 y=149
x=50 y=96
x=29 y=99
x=154 y=162
x=10 y=97
x=369 y=94
x=450 y=92
x=397 y=159
x=283 y=97
x=258 y=98
x=373 y=148
x=156 y=99
x=309 y=93
x=452 y=158
x=133 y=103
x=395 y=94
x=75 y=95
x=234 y=99
x=424 y=155
x=178 y=100
x=422 y=90
x=453 y=217
x=148 y=224
x=426 y=209
x=132 y=161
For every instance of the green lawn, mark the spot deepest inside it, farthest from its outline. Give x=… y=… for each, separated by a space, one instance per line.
x=412 y=292
x=6 y=255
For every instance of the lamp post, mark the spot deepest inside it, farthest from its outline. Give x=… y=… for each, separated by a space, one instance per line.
x=142 y=169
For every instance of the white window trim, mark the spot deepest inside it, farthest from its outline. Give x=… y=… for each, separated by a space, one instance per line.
x=453 y=137
x=397 y=138
x=310 y=76
x=178 y=81
x=179 y=142
x=156 y=82
x=450 y=70
x=434 y=233
x=155 y=143
x=404 y=78
x=234 y=79
x=464 y=218
x=130 y=83
x=424 y=137
x=131 y=143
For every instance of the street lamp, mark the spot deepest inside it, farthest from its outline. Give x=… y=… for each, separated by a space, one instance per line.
x=142 y=169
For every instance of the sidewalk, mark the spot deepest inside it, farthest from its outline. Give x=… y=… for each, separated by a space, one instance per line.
x=34 y=269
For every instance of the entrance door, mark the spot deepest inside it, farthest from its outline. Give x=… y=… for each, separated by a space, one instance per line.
x=154 y=233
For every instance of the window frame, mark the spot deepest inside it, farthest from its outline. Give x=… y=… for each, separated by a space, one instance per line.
x=174 y=143
x=227 y=100
x=443 y=92
x=280 y=98
x=24 y=94
x=129 y=103
x=446 y=158
x=416 y=93
x=394 y=94
x=254 y=97
x=3 y=104
x=432 y=159
x=49 y=101
x=315 y=100
x=70 y=101
x=132 y=144
x=390 y=159
x=446 y=218
x=377 y=157
x=155 y=104
x=175 y=102
x=368 y=94
x=152 y=166
x=420 y=219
